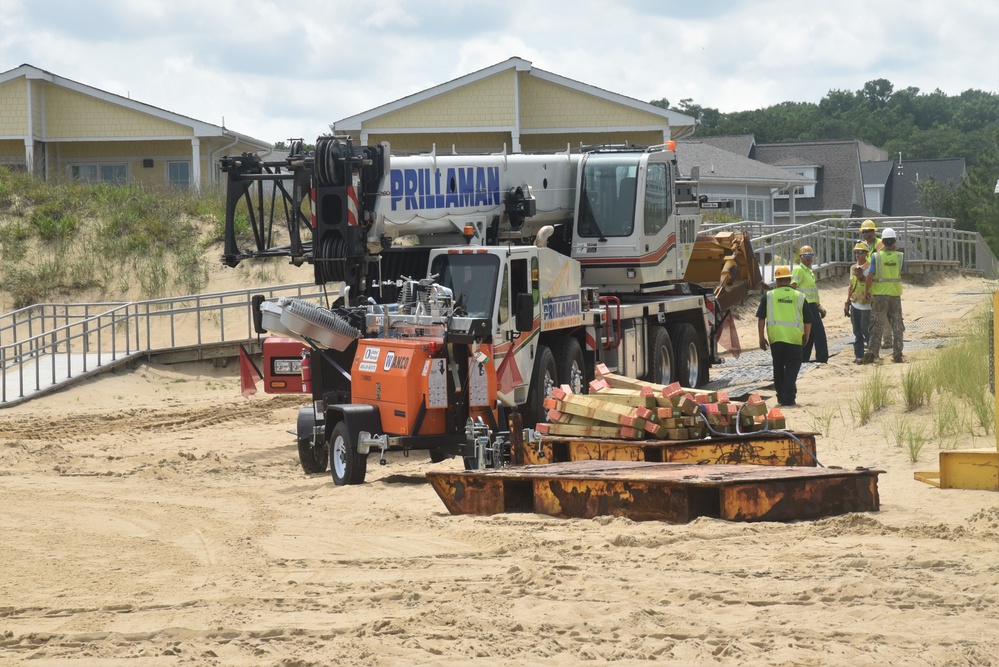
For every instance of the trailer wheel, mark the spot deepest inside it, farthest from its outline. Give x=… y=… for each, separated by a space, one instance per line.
x=543 y=380
x=437 y=455
x=313 y=457
x=569 y=364
x=691 y=357
x=346 y=465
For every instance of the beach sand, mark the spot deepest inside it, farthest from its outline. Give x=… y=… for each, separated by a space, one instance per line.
x=157 y=517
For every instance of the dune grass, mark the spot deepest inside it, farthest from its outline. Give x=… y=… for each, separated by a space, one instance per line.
x=875 y=394
x=108 y=240
x=960 y=374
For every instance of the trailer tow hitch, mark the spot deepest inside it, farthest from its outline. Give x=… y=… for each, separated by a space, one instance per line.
x=365 y=441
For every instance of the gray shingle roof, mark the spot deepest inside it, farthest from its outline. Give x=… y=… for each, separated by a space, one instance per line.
x=718 y=166
x=903 y=198
x=877 y=173
x=740 y=144
x=840 y=184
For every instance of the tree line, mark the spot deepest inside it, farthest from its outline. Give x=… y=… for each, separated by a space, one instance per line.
x=918 y=125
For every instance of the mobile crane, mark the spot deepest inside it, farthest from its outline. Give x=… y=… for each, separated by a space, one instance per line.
x=471 y=285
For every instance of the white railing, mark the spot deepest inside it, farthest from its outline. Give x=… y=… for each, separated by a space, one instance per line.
x=51 y=344
x=924 y=240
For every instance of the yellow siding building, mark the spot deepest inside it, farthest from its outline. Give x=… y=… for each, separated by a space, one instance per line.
x=57 y=129
x=517 y=106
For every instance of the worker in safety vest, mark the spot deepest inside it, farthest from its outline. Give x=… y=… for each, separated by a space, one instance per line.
x=803 y=280
x=784 y=323
x=858 y=306
x=883 y=282
x=869 y=231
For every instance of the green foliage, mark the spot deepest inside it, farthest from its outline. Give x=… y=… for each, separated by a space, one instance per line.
x=241 y=226
x=719 y=217
x=13 y=240
x=972 y=203
x=51 y=229
x=905 y=121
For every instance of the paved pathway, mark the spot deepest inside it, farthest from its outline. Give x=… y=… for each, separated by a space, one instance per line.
x=752 y=370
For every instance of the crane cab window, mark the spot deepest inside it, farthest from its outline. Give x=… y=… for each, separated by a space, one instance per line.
x=658 y=198
x=472 y=280
x=607 y=198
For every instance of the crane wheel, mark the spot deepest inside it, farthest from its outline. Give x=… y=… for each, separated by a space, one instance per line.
x=569 y=365
x=691 y=356
x=543 y=380
x=661 y=361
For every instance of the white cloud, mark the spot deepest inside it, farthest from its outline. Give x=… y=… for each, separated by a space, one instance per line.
x=275 y=69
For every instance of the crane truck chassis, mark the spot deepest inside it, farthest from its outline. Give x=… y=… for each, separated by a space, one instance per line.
x=467 y=287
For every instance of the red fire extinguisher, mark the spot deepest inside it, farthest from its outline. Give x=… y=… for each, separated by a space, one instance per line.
x=306 y=371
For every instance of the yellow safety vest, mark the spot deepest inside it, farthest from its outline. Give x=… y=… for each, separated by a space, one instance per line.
x=785 y=316
x=803 y=277
x=888 y=273
x=875 y=247
x=858 y=287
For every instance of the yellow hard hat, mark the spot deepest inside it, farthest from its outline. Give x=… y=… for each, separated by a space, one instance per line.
x=868 y=224
x=806 y=250
x=860 y=246
x=782 y=272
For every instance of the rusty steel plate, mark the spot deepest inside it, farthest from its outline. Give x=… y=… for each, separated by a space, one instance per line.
x=674 y=492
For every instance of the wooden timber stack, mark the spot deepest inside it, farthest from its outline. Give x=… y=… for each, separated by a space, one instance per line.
x=621 y=407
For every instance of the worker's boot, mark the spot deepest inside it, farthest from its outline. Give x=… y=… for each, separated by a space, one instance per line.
x=898 y=358
x=868 y=358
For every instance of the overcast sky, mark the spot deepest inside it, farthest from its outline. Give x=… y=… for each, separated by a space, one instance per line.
x=278 y=69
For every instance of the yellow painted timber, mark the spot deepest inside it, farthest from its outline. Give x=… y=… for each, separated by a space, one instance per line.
x=965 y=469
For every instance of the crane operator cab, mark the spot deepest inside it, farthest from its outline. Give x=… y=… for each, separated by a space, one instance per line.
x=631 y=234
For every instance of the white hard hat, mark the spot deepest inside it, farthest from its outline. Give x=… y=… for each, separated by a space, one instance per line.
x=888 y=233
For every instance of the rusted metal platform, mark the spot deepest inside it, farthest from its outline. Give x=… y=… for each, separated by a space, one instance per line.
x=673 y=492
x=767 y=449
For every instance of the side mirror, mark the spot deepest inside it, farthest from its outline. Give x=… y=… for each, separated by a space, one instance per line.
x=523 y=308
x=258 y=322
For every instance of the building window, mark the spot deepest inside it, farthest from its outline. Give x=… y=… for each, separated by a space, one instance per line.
x=757 y=210
x=113 y=173
x=801 y=191
x=98 y=173
x=179 y=174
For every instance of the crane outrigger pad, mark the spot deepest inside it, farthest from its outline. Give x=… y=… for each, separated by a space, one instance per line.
x=673 y=492
x=774 y=448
